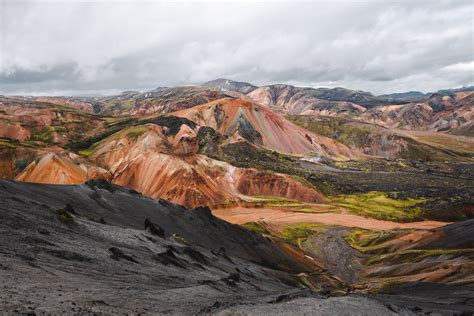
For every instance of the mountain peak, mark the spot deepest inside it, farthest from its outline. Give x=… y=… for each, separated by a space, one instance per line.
x=231 y=85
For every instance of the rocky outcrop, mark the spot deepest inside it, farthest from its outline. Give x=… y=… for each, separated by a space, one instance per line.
x=254 y=182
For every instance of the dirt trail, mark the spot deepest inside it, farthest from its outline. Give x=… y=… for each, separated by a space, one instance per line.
x=280 y=217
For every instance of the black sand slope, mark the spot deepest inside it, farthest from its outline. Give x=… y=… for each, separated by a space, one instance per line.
x=99 y=248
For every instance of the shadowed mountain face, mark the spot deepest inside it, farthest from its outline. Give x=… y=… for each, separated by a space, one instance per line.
x=80 y=249
x=127 y=209
x=72 y=249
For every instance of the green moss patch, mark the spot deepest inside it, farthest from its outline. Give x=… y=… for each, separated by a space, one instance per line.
x=371 y=242
x=272 y=201
x=9 y=143
x=137 y=131
x=379 y=206
x=43 y=135
x=64 y=216
x=256 y=227
x=118 y=105
x=60 y=129
x=298 y=233
x=86 y=152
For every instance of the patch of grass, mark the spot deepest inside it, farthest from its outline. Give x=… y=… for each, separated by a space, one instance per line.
x=225 y=204
x=7 y=143
x=116 y=121
x=413 y=152
x=271 y=201
x=86 y=152
x=119 y=105
x=298 y=233
x=64 y=216
x=43 y=135
x=304 y=182
x=275 y=201
x=179 y=239
x=256 y=227
x=378 y=205
x=368 y=241
x=285 y=203
x=60 y=129
x=137 y=131
x=448 y=142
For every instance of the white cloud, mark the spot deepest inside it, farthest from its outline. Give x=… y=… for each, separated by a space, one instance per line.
x=64 y=46
x=460 y=67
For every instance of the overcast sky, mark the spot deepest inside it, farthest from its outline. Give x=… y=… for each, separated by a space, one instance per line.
x=83 y=47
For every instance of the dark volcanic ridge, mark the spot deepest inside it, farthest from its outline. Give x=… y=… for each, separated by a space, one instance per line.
x=84 y=248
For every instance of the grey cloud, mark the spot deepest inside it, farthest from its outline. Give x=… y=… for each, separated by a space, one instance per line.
x=66 y=72
x=102 y=46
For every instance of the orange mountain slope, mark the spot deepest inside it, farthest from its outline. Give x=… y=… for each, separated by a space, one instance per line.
x=61 y=168
x=261 y=126
x=154 y=160
x=53 y=169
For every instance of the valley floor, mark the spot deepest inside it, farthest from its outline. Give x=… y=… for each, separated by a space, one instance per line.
x=282 y=217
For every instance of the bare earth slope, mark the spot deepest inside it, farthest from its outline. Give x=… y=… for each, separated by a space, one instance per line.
x=161 y=159
x=56 y=258
x=162 y=164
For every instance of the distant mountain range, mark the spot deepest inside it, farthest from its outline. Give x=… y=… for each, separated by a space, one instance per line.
x=417 y=95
